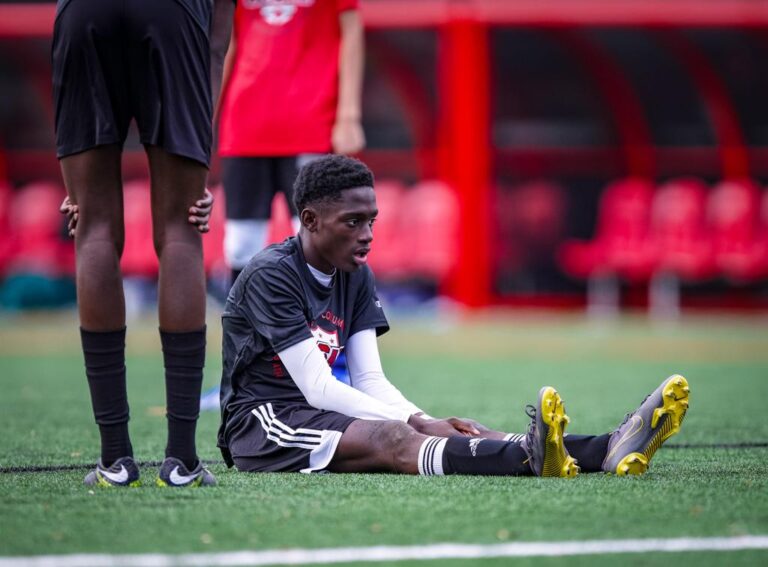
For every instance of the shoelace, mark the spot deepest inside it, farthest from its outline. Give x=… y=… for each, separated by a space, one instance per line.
x=630 y=414
x=530 y=411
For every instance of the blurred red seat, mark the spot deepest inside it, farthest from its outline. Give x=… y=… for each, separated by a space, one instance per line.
x=679 y=232
x=733 y=215
x=35 y=227
x=429 y=221
x=388 y=253
x=620 y=245
x=139 y=257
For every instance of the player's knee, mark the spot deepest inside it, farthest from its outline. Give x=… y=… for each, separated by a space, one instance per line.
x=180 y=235
x=396 y=439
x=101 y=233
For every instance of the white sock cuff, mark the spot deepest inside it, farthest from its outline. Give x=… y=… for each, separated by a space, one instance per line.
x=243 y=239
x=430 y=458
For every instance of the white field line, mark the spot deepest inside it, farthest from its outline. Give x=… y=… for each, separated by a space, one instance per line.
x=395 y=553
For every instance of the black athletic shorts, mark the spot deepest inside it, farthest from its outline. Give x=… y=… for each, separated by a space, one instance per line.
x=251 y=183
x=114 y=60
x=286 y=438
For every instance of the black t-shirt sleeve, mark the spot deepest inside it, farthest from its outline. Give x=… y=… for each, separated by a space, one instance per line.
x=272 y=301
x=368 y=313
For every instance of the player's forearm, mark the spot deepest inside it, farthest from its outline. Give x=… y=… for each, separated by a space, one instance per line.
x=367 y=375
x=311 y=373
x=221 y=31
x=351 y=61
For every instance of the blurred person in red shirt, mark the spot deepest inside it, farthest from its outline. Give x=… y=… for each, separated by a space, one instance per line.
x=292 y=92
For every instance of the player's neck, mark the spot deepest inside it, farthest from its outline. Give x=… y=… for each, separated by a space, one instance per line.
x=322 y=277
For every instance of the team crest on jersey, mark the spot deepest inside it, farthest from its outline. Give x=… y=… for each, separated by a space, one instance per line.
x=277 y=12
x=327 y=342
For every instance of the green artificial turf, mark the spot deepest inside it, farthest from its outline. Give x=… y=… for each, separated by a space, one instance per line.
x=484 y=367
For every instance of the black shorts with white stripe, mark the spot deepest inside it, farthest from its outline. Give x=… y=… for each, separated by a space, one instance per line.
x=287 y=438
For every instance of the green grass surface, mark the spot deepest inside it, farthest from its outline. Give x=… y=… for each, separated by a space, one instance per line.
x=484 y=367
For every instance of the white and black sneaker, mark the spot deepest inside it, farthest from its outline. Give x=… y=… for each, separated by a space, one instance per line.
x=174 y=473
x=123 y=472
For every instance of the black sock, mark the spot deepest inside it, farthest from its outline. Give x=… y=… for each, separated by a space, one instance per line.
x=472 y=455
x=104 y=354
x=184 y=356
x=588 y=450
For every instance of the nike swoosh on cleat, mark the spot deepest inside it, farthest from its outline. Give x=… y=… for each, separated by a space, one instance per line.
x=636 y=420
x=118 y=477
x=177 y=478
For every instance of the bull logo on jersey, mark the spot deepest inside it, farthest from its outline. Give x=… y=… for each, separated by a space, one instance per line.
x=277 y=12
x=327 y=342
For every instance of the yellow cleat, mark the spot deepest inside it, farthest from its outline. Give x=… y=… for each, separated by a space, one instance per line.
x=659 y=417
x=544 y=441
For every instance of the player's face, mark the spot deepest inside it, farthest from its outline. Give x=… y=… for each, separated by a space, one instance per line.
x=344 y=231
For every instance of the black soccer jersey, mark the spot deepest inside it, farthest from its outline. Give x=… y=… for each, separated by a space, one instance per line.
x=276 y=303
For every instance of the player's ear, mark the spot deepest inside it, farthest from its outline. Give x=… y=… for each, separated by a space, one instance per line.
x=308 y=219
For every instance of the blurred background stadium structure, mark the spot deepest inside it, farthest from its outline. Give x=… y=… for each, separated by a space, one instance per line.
x=607 y=153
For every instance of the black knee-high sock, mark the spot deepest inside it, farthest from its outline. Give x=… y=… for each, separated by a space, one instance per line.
x=588 y=450
x=184 y=355
x=472 y=455
x=104 y=354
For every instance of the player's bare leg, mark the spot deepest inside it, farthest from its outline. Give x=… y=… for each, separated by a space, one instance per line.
x=378 y=446
x=93 y=182
x=175 y=183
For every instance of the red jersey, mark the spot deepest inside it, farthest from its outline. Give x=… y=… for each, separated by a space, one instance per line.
x=281 y=96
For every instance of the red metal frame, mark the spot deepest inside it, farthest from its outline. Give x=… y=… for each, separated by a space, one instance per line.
x=722 y=114
x=621 y=100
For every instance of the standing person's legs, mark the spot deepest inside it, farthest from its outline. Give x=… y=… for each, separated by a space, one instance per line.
x=249 y=187
x=175 y=183
x=93 y=182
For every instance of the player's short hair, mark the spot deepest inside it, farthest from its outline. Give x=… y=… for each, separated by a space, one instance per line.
x=323 y=179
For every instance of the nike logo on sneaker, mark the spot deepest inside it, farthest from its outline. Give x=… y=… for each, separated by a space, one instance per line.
x=116 y=477
x=177 y=478
x=635 y=427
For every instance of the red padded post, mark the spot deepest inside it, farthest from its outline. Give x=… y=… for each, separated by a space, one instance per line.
x=464 y=152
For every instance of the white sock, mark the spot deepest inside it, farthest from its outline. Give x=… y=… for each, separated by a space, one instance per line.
x=431 y=456
x=243 y=239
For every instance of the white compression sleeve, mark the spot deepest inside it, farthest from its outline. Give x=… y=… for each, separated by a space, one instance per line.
x=366 y=374
x=311 y=373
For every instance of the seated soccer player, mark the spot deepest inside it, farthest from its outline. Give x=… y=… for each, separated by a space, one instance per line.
x=298 y=304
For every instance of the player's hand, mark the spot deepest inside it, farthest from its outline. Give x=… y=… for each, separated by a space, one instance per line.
x=347 y=136
x=72 y=212
x=200 y=212
x=465 y=426
x=450 y=427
